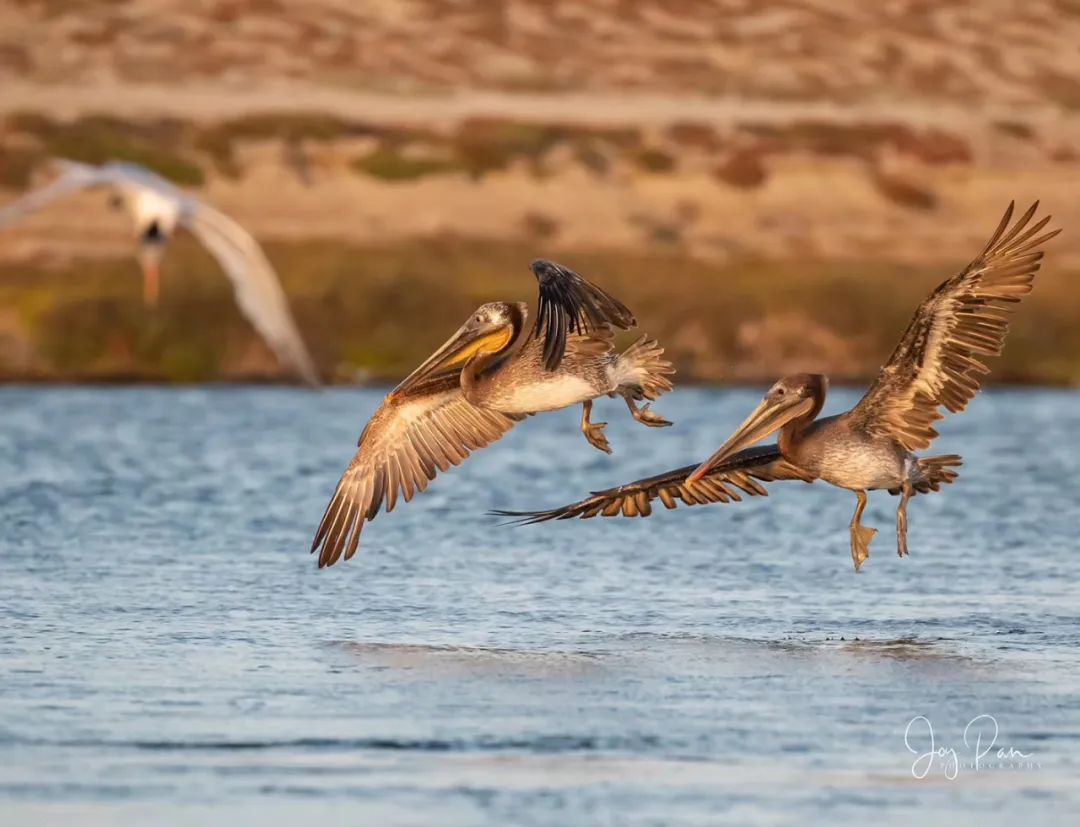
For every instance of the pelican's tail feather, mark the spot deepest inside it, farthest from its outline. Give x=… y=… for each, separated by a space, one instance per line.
x=641 y=372
x=934 y=472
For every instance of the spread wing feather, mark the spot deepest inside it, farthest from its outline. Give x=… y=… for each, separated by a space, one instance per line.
x=938 y=362
x=744 y=472
x=255 y=284
x=403 y=446
x=569 y=303
x=73 y=177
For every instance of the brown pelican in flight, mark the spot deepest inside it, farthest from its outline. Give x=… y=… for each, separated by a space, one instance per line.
x=493 y=372
x=938 y=363
x=157 y=209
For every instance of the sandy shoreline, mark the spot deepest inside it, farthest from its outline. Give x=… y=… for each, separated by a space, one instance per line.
x=214 y=101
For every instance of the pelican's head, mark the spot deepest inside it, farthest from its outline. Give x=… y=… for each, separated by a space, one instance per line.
x=793 y=397
x=489 y=330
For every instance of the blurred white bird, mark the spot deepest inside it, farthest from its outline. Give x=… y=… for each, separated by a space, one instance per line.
x=157 y=208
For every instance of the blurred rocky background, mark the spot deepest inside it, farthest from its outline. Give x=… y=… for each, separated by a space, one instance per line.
x=771 y=186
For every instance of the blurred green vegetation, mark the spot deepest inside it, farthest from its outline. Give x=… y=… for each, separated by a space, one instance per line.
x=390 y=164
x=187 y=151
x=184 y=151
x=221 y=140
x=17 y=165
x=94 y=139
x=654 y=160
x=375 y=312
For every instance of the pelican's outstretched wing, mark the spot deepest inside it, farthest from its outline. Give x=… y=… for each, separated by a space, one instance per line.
x=258 y=291
x=570 y=303
x=427 y=429
x=73 y=177
x=937 y=361
x=722 y=484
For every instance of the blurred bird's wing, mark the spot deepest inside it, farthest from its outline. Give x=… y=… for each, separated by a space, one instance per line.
x=721 y=484
x=258 y=291
x=568 y=303
x=74 y=177
x=409 y=439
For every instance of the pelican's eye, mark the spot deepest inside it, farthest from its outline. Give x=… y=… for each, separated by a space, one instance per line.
x=779 y=391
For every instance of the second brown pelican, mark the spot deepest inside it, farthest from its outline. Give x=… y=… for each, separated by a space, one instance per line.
x=493 y=372
x=936 y=364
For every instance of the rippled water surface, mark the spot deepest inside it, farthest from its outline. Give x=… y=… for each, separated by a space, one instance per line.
x=171 y=655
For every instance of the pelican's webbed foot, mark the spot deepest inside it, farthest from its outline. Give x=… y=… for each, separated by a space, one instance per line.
x=861 y=535
x=646 y=416
x=594 y=431
x=860 y=544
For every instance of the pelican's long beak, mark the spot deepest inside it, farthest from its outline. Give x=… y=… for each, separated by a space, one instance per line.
x=149 y=256
x=769 y=416
x=471 y=338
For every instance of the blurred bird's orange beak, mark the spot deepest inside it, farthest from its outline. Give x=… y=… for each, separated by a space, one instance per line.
x=151 y=283
x=150 y=263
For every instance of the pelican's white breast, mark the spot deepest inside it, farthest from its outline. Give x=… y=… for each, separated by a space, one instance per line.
x=548 y=394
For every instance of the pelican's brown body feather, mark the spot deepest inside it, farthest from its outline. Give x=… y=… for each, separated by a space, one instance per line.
x=524 y=384
x=832 y=451
x=590 y=368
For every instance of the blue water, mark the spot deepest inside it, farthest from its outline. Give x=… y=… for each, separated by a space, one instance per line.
x=169 y=653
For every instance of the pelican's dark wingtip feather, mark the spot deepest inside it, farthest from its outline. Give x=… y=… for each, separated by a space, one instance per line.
x=570 y=303
x=996 y=235
x=524 y=517
x=324 y=526
x=722 y=484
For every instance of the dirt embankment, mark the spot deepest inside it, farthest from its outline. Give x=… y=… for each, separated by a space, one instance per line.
x=774 y=187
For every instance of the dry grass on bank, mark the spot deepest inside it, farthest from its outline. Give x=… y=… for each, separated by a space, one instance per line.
x=375 y=312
